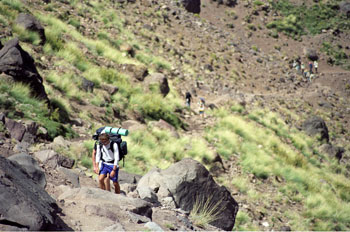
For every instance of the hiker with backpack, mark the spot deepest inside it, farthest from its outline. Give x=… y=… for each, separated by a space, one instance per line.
x=95 y=166
x=201 y=104
x=316 y=66
x=107 y=158
x=188 y=99
x=109 y=149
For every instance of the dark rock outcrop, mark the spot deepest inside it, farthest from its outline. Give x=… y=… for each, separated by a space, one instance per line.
x=316 y=126
x=311 y=54
x=161 y=80
x=31 y=166
x=188 y=182
x=193 y=6
x=87 y=85
x=29 y=22
x=23 y=203
x=333 y=151
x=18 y=64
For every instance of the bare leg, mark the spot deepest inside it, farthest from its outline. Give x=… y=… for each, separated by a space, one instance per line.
x=101 y=181
x=116 y=187
x=108 y=183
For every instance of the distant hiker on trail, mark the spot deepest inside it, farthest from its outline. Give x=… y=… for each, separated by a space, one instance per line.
x=316 y=65
x=298 y=64
x=95 y=165
x=312 y=76
x=310 y=66
x=107 y=160
x=188 y=99
x=201 y=104
x=307 y=75
x=302 y=68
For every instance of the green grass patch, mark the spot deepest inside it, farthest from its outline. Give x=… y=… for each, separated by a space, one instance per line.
x=266 y=147
x=17 y=97
x=313 y=18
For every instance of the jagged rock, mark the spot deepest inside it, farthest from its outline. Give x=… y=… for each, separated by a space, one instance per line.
x=126 y=187
x=101 y=198
x=333 y=151
x=31 y=166
x=188 y=181
x=61 y=142
x=16 y=129
x=87 y=85
x=23 y=203
x=138 y=218
x=52 y=159
x=44 y=155
x=193 y=6
x=72 y=177
x=316 y=126
x=21 y=147
x=147 y=194
x=29 y=22
x=17 y=63
x=22 y=132
x=130 y=178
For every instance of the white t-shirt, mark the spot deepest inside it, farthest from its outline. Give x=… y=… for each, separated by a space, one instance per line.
x=106 y=153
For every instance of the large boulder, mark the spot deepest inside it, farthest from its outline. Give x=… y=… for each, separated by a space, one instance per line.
x=188 y=182
x=94 y=204
x=345 y=8
x=31 y=166
x=193 y=6
x=22 y=132
x=18 y=64
x=29 y=22
x=160 y=80
x=23 y=203
x=311 y=54
x=54 y=160
x=316 y=126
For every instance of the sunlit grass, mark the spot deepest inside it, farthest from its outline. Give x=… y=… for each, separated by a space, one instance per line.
x=260 y=142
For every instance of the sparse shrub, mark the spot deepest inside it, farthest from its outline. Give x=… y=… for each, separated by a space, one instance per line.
x=26 y=35
x=204 y=211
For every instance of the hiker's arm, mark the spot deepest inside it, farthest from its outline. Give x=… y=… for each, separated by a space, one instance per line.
x=94 y=161
x=98 y=156
x=116 y=156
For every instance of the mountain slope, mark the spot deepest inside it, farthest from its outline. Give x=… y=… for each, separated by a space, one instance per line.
x=228 y=56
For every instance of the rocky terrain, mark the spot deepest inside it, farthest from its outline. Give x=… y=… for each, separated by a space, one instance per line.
x=224 y=53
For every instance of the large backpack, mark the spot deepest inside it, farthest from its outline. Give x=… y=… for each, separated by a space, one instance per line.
x=114 y=138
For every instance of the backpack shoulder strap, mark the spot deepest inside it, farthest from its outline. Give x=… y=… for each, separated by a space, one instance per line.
x=112 y=146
